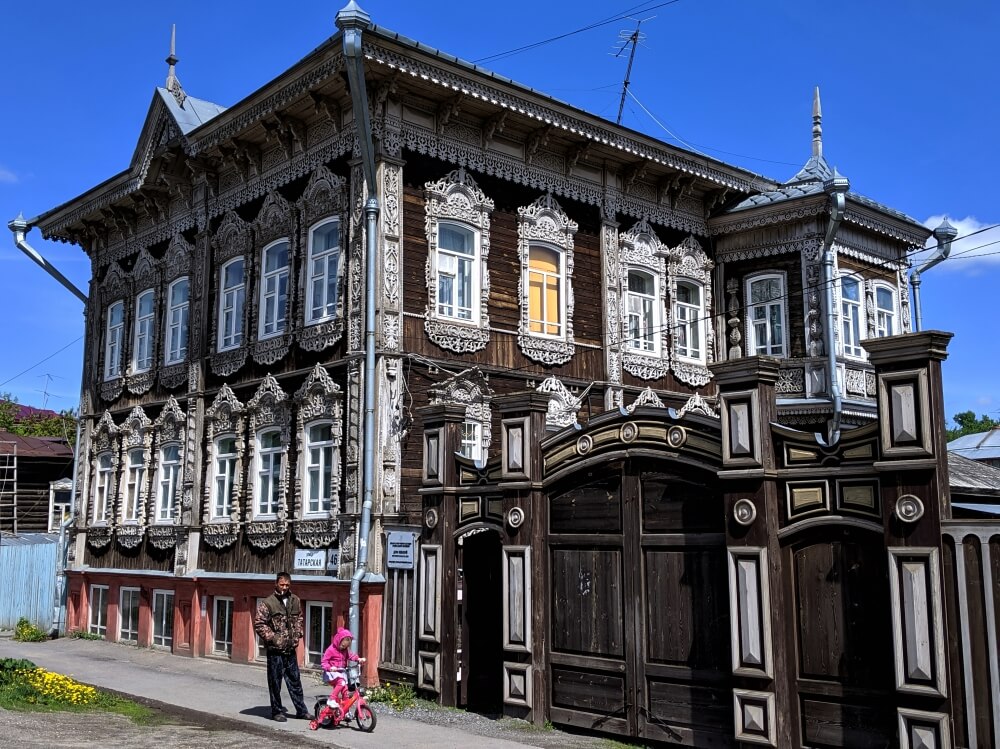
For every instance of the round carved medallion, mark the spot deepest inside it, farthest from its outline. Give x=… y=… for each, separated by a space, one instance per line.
x=584 y=445
x=909 y=508
x=676 y=436
x=744 y=512
x=515 y=517
x=628 y=432
x=431 y=518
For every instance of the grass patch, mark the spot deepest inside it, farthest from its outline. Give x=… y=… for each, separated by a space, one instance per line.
x=82 y=634
x=397 y=696
x=26 y=687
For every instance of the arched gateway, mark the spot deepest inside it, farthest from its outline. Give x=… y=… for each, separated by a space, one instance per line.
x=689 y=577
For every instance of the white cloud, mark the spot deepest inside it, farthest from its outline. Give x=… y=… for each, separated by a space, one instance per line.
x=6 y=175
x=974 y=250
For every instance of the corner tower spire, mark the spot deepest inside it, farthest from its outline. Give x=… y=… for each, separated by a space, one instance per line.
x=817 y=126
x=173 y=84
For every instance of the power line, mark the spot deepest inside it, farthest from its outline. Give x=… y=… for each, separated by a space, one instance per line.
x=41 y=362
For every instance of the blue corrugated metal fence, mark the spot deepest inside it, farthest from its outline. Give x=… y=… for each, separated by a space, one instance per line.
x=28 y=575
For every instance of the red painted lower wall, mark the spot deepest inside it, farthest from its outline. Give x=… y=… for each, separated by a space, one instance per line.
x=195 y=603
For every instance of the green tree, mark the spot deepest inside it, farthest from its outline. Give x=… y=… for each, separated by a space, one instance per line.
x=968 y=423
x=62 y=424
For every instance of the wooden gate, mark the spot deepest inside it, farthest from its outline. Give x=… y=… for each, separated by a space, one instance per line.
x=639 y=604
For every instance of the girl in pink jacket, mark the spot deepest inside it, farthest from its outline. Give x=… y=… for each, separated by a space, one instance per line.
x=335 y=660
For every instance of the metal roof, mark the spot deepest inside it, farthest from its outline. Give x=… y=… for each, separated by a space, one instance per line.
x=27 y=539
x=979 y=446
x=37 y=447
x=972 y=477
x=193 y=113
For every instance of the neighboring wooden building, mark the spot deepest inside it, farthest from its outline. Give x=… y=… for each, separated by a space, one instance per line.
x=34 y=482
x=615 y=485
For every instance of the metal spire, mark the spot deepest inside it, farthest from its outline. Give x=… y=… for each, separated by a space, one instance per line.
x=173 y=84
x=817 y=126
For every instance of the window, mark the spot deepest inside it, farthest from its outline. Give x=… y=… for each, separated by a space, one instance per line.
x=231 y=302
x=689 y=316
x=319 y=630
x=98 y=610
x=133 y=486
x=222 y=625
x=472 y=440
x=545 y=316
x=128 y=615
x=274 y=290
x=269 y=454
x=319 y=467
x=163 y=618
x=225 y=472
x=642 y=313
x=321 y=283
x=766 y=316
x=60 y=503
x=142 y=349
x=104 y=473
x=170 y=463
x=178 y=303
x=113 y=341
x=457 y=272
x=850 y=316
x=885 y=311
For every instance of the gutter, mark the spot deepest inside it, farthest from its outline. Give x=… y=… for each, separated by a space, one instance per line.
x=944 y=235
x=20 y=228
x=352 y=22
x=836 y=188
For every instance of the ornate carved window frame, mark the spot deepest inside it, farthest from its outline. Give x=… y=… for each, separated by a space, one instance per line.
x=471 y=389
x=324 y=199
x=319 y=400
x=176 y=267
x=104 y=441
x=231 y=241
x=688 y=262
x=274 y=223
x=872 y=287
x=456 y=198
x=226 y=416
x=640 y=249
x=545 y=223
x=114 y=289
x=748 y=327
x=269 y=410
x=145 y=279
x=170 y=428
x=136 y=434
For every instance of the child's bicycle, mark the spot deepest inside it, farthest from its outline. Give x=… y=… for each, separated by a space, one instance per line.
x=351 y=705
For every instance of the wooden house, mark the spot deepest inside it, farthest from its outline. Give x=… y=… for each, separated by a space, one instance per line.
x=655 y=453
x=34 y=483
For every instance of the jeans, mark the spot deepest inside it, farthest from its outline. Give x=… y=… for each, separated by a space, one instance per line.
x=284 y=665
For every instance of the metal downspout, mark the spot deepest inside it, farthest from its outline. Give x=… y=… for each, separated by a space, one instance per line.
x=944 y=235
x=836 y=188
x=20 y=228
x=352 y=21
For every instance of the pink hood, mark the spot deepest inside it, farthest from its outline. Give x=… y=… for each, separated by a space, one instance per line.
x=339 y=637
x=334 y=657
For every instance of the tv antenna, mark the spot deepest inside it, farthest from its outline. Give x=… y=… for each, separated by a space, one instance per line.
x=629 y=40
x=45 y=391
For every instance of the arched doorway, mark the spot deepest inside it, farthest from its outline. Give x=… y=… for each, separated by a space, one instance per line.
x=481 y=617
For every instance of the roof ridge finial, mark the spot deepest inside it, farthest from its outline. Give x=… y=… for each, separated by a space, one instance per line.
x=817 y=150
x=173 y=84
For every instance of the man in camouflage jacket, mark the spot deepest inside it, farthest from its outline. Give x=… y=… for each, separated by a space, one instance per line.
x=278 y=624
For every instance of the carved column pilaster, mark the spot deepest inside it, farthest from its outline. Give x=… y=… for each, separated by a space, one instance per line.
x=611 y=281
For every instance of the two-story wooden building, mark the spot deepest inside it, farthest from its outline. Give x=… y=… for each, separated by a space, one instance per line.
x=652 y=456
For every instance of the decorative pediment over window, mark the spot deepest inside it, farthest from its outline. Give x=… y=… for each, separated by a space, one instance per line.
x=688 y=262
x=325 y=197
x=114 y=288
x=563 y=405
x=471 y=389
x=457 y=198
x=319 y=399
x=224 y=417
x=646 y=398
x=645 y=347
x=136 y=433
x=269 y=408
x=177 y=264
x=544 y=223
x=103 y=442
x=231 y=240
x=145 y=275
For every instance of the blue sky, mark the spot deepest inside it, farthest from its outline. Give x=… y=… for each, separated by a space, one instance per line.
x=909 y=89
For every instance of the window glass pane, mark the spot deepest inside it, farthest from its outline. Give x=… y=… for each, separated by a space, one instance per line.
x=233 y=274
x=456 y=239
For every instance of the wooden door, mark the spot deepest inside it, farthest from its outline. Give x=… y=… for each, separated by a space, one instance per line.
x=639 y=605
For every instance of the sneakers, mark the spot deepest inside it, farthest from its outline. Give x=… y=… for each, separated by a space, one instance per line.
x=279 y=718
x=303 y=716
